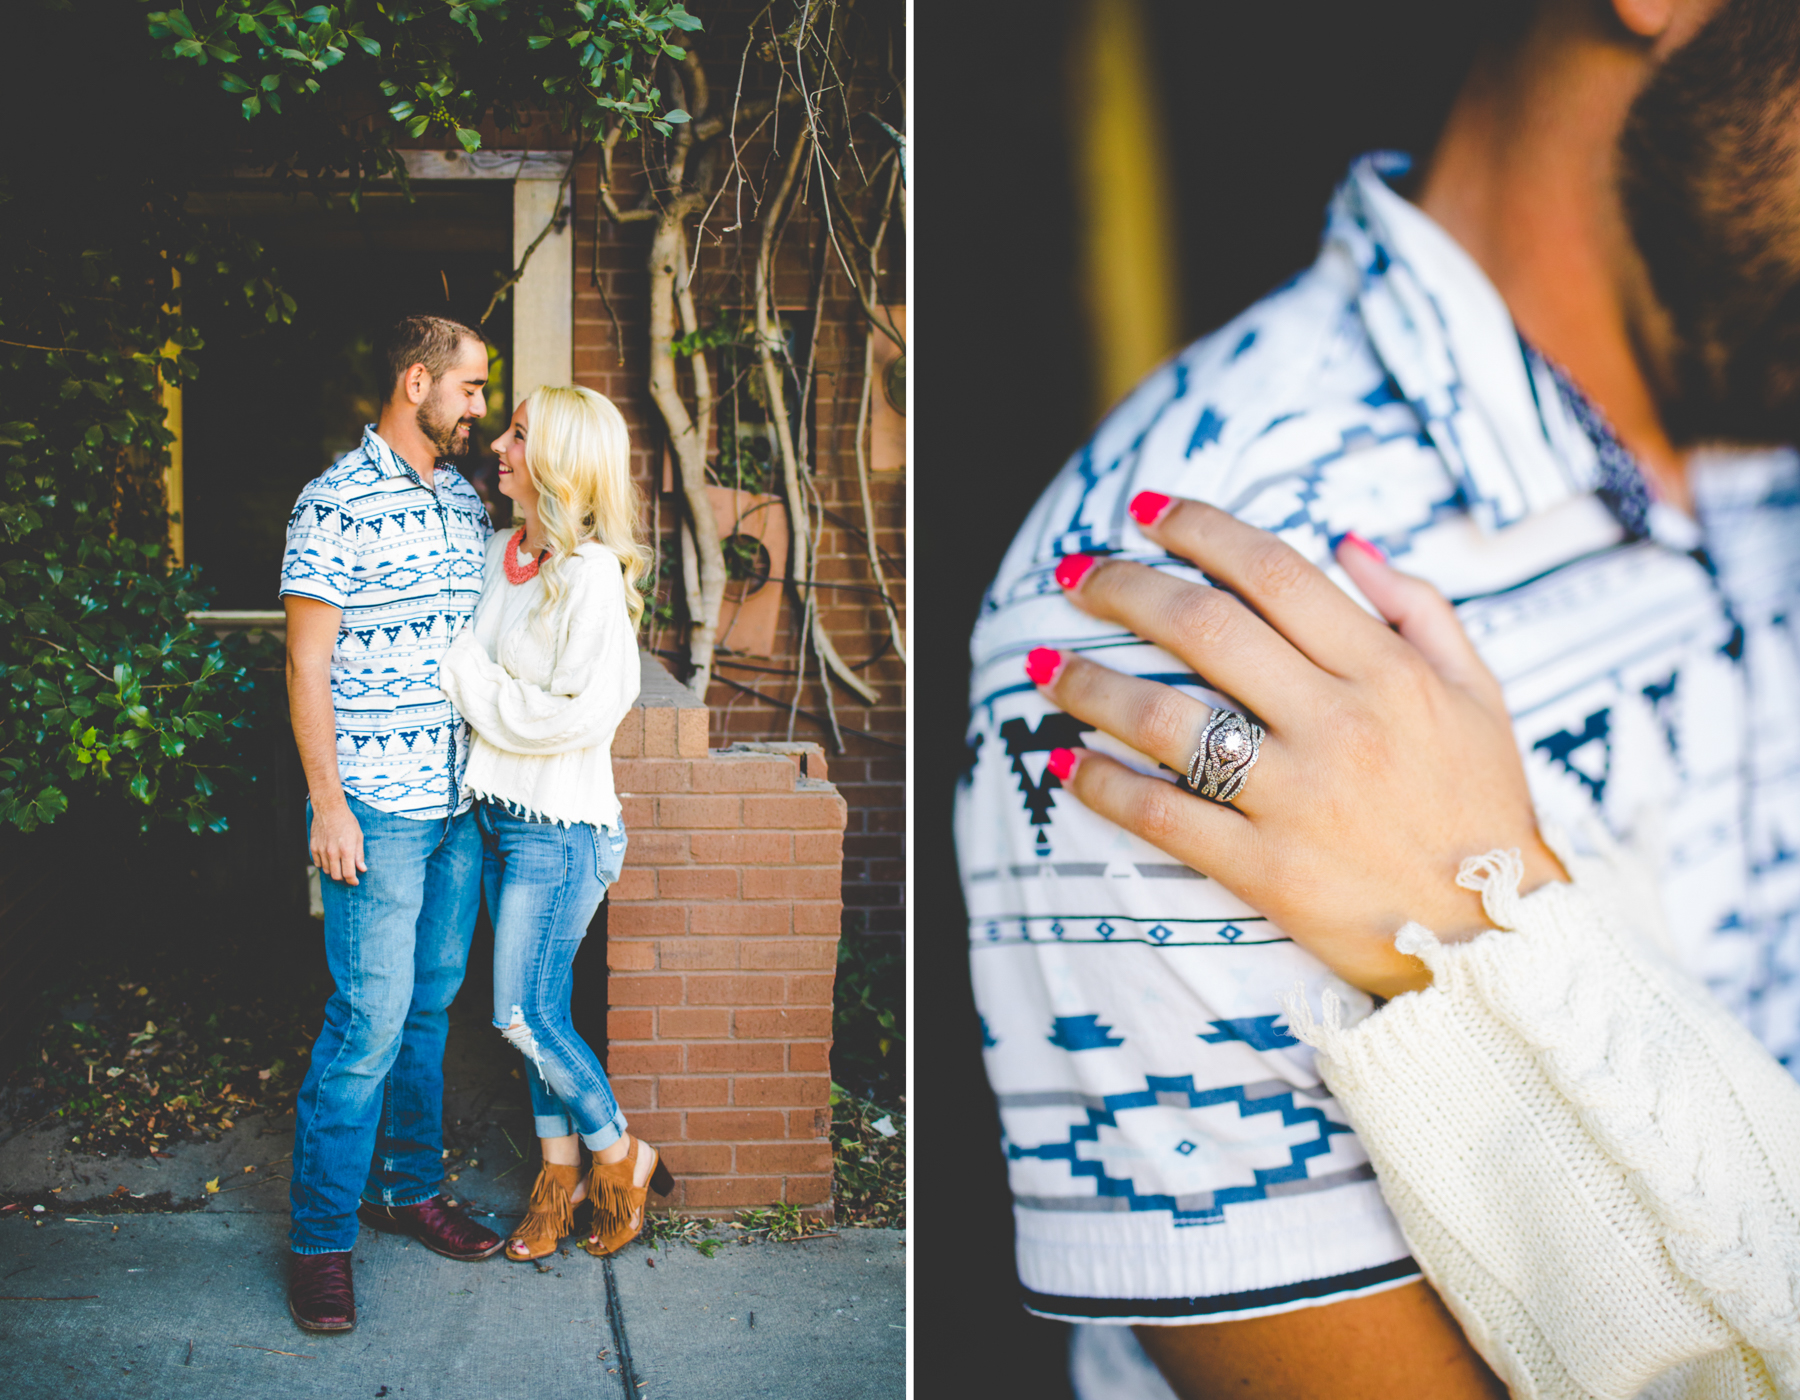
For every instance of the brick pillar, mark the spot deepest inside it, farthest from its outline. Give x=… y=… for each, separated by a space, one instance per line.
x=721 y=954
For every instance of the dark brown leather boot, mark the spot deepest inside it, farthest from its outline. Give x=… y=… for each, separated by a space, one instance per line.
x=436 y=1224
x=321 y=1296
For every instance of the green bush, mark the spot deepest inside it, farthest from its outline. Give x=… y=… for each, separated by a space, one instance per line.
x=868 y=1021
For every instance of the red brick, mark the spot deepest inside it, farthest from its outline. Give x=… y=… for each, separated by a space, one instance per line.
x=739 y=991
x=827 y=917
x=800 y=811
x=771 y=953
x=742 y=847
x=644 y=1059
x=781 y=1091
x=744 y=775
x=685 y=954
x=685 y=1157
x=630 y=956
x=697 y=882
x=637 y=812
x=661 y=1127
x=637 y=882
x=810 y=989
x=690 y=740
x=795 y=1023
x=657 y=848
x=761 y=1055
x=632 y=1093
x=628 y=738
x=806 y=882
x=735 y=1125
x=641 y=775
x=690 y=1023
x=808 y=1190
x=659 y=731
x=711 y=811
x=636 y=989
x=630 y=1025
x=715 y=1191
x=644 y=920
x=784 y=1157
x=682 y=1091
x=809 y=1057
x=770 y=918
x=815 y=847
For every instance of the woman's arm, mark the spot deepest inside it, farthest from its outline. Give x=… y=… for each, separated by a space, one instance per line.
x=595 y=681
x=1593 y=1163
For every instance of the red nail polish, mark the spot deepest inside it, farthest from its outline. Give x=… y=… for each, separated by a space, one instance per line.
x=1042 y=665
x=1062 y=763
x=1148 y=507
x=1372 y=550
x=1073 y=569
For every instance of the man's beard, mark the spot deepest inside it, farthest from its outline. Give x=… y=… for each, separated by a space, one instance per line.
x=440 y=431
x=1711 y=185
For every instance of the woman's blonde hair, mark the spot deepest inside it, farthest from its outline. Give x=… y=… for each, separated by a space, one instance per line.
x=579 y=453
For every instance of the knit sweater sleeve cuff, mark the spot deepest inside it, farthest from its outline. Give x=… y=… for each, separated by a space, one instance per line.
x=1596 y=1166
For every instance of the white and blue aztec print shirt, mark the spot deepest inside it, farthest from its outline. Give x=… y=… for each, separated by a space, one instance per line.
x=1173 y=1155
x=404 y=564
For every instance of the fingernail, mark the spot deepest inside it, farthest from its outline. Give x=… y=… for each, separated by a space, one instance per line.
x=1374 y=551
x=1148 y=507
x=1062 y=763
x=1042 y=665
x=1073 y=569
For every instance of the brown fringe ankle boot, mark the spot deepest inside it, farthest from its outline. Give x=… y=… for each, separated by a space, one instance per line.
x=619 y=1201
x=552 y=1214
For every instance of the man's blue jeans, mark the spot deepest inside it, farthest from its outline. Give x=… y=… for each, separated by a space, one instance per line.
x=370 y=1119
x=544 y=883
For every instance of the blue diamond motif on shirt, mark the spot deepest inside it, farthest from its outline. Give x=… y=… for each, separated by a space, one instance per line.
x=1083 y=1033
x=1057 y=928
x=1258 y=1032
x=1231 y=933
x=1159 y=934
x=1104 y=929
x=1184 y=1147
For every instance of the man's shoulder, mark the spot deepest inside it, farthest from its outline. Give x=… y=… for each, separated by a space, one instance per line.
x=344 y=482
x=1286 y=417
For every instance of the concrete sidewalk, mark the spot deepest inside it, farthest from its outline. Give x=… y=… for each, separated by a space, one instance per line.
x=192 y=1305
x=126 y=1277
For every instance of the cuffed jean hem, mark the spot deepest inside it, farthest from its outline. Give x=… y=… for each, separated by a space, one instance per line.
x=608 y=1133
x=297 y=1249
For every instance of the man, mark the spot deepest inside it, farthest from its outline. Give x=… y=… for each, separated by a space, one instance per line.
x=1503 y=383
x=382 y=568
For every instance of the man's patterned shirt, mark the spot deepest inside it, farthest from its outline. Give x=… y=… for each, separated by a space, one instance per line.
x=404 y=564
x=1173 y=1153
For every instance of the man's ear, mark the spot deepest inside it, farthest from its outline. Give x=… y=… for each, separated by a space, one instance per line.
x=1647 y=19
x=416 y=384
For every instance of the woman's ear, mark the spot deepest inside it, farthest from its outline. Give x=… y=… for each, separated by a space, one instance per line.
x=1647 y=19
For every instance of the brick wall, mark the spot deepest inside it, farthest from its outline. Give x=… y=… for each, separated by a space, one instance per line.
x=750 y=696
x=721 y=945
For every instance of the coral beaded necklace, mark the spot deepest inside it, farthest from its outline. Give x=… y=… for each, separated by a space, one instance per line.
x=515 y=571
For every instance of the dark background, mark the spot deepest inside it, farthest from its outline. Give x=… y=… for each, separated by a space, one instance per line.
x=1265 y=106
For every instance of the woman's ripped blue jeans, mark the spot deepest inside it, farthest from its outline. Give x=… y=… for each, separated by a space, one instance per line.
x=543 y=883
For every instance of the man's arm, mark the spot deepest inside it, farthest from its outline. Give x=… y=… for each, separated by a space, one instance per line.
x=336 y=841
x=1401 y=1344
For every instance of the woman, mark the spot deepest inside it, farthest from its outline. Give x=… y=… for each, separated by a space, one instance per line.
x=543 y=675
x=1595 y=1165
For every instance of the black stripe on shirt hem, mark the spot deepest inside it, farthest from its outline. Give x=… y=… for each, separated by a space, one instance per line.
x=1219 y=1303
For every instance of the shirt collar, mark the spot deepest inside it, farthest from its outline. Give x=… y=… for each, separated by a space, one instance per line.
x=390 y=462
x=1495 y=411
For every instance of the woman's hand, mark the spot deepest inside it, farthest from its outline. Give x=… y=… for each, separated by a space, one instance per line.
x=1389 y=758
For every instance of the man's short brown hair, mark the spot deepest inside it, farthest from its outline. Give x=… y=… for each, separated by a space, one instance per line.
x=432 y=341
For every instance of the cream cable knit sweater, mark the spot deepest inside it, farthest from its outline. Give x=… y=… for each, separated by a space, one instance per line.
x=1596 y=1166
x=544 y=702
